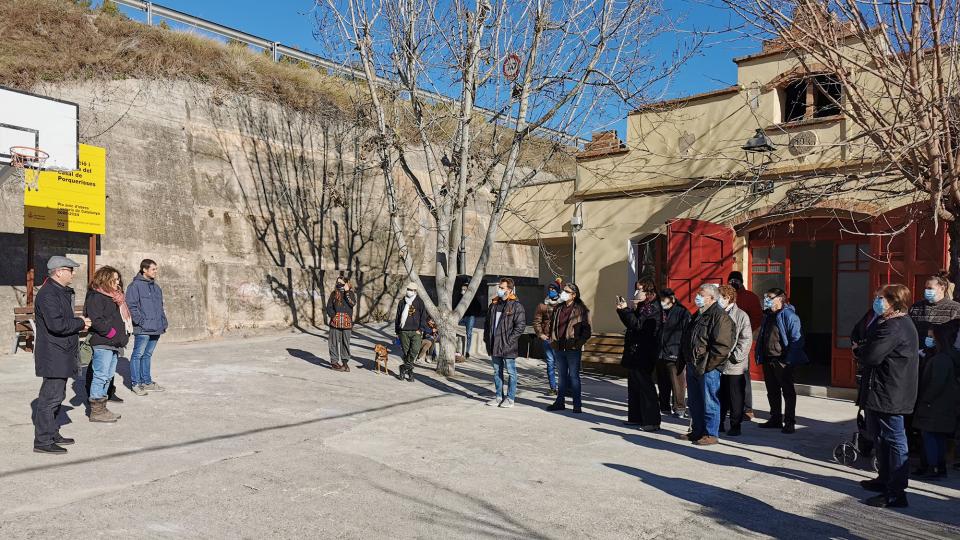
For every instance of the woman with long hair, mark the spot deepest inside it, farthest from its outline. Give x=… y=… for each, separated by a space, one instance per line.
x=569 y=332
x=340 y=312
x=110 y=329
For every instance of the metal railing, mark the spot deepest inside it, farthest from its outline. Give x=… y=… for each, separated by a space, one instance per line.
x=278 y=51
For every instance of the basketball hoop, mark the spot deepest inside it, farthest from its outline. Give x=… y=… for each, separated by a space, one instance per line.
x=27 y=163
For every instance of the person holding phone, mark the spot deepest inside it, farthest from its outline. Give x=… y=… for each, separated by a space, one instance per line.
x=640 y=352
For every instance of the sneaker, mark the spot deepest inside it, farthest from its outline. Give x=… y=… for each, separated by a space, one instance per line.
x=506 y=404
x=706 y=440
x=495 y=402
x=553 y=391
x=153 y=387
x=682 y=415
x=139 y=390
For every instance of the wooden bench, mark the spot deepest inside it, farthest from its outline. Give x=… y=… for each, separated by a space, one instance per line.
x=603 y=353
x=24 y=326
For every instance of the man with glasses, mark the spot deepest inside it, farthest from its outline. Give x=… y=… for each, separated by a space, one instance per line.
x=55 y=351
x=779 y=349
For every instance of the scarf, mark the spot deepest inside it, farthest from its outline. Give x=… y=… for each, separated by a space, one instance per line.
x=121 y=301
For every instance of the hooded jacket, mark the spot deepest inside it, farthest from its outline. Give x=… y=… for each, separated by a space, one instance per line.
x=502 y=337
x=787 y=324
x=58 y=330
x=145 y=300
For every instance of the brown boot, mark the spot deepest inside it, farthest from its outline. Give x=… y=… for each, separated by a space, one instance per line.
x=706 y=441
x=100 y=413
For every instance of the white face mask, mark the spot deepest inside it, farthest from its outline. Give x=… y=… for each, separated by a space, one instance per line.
x=411 y=295
x=723 y=302
x=666 y=305
x=564 y=296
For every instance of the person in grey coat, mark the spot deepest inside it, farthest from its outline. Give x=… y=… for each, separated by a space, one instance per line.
x=145 y=300
x=55 y=351
x=733 y=385
x=505 y=323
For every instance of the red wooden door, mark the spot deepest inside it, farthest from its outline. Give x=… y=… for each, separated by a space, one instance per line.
x=906 y=249
x=697 y=252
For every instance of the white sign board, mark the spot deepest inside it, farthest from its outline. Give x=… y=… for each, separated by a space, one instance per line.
x=39 y=122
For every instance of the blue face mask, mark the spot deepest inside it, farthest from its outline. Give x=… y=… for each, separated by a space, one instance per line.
x=699 y=301
x=930 y=295
x=553 y=294
x=767 y=303
x=929 y=342
x=502 y=293
x=878 y=307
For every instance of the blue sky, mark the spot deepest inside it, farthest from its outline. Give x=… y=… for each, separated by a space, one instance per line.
x=291 y=23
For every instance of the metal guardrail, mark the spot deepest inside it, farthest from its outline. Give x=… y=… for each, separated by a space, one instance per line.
x=278 y=51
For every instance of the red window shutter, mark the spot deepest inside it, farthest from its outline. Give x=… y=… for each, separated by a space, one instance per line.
x=697 y=252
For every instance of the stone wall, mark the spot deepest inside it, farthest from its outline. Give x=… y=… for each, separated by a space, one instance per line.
x=250 y=209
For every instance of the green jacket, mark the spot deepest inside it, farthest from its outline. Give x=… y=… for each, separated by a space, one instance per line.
x=938 y=401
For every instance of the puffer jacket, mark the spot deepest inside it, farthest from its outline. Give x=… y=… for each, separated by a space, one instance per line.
x=708 y=340
x=145 y=300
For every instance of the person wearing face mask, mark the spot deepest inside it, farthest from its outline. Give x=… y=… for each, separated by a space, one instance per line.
x=779 y=350
x=934 y=309
x=732 y=383
x=541 y=327
x=340 y=314
x=410 y=325
x=671 y=381
x=706 y=347
x=888 y=390
x=640 y=348
x=569 y=331
x=749 y=302
x=474 y=309
x=505 y=323
x=938 y=400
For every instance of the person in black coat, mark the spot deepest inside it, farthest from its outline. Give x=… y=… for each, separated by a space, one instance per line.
x=670 y=377
x=409 y=325
x=111 y=325
x=889 y=361
x=641 y=346
x=938 y=399
x=55 y=351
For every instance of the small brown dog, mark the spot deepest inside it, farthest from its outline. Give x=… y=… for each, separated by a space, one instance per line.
x=382 y=356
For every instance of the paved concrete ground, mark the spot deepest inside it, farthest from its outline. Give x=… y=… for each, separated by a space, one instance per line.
x=257 y=438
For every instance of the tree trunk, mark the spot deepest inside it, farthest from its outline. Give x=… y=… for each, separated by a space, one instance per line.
x=447 y=348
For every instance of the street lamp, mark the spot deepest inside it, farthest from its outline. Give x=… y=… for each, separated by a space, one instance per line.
x=759 y=149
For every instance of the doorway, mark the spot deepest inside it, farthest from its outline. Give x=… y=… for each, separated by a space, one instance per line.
x=811 y=294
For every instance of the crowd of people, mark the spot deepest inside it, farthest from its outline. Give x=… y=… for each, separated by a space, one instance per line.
x=111 y=316
x=692 y=364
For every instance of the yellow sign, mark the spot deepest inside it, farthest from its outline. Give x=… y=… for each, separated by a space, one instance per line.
x=74 y=201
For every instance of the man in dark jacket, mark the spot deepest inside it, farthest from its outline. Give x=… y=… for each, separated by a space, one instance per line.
x=779 y=349
x=670 y=377
x=641 y=345
x=505 y=323
x=706 y=345
x=145 y=300
x=55 y=351
x=410 y=325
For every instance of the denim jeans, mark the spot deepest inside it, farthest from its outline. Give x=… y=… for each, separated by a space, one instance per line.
x=468 y=323
x=104 y=366
x=143 y=347
x=703 y=402
x=568 y=369
x=892 y=452
x=549 y=356
x=935 y=448
x=511 y=365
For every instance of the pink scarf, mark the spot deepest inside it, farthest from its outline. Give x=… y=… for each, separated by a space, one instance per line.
x=121 y=301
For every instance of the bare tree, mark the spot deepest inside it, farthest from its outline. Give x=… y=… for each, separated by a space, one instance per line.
x=896 y=63
x=576 y=63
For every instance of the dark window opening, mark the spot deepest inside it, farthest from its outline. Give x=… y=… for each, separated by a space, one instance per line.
x=827 y=94
x=795 y=101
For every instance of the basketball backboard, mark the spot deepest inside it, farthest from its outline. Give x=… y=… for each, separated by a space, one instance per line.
x=36 y=121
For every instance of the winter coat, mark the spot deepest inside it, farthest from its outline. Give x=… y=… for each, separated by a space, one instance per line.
x=56 y=338
x=890 y=363
x=641 y=342
x=577 y=331
x=416 y=318
x=145 y=300
x=542 y=317
x=926 y=315
x=708 y=339
x=673 y=322
x=791 y=337
x=106 y=324
x=502 y=337
x=938 y=402
x=739 y=359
